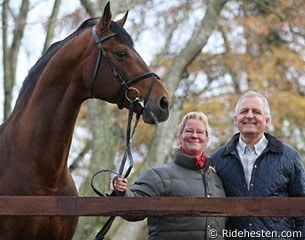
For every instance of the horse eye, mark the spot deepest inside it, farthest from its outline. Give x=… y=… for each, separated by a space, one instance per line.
x=121 y=54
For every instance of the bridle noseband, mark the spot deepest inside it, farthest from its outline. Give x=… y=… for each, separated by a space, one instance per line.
x=125 y=84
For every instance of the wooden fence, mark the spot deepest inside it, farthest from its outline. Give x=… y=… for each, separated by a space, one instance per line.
x=119 y=206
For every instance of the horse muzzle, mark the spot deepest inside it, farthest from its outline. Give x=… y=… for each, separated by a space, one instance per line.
x=155 y=113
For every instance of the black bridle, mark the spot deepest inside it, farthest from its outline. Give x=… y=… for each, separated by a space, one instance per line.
x=125 y=84
x=124 y=90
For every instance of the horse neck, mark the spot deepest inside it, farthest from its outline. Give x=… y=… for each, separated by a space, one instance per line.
x=44 y=122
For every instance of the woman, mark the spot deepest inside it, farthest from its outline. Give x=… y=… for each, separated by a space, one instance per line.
x=189 y=174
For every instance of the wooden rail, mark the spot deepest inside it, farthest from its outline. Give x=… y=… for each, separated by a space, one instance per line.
x=119 y=206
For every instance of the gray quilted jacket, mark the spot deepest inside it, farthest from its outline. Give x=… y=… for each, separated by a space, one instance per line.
x=180 y=178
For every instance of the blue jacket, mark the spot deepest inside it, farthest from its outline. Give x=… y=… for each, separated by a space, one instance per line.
x=277 y=172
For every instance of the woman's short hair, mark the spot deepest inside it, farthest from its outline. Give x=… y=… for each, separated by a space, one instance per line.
x=194 y=115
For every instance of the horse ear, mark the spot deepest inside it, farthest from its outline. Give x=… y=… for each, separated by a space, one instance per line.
x=122 y=21
x=105 y=20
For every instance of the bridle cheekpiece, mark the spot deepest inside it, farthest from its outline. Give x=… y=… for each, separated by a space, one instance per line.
x=125 y=84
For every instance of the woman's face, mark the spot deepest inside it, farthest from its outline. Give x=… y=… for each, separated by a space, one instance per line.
x=194 y=137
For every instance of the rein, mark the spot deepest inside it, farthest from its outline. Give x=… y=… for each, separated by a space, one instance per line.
x=125 y=89
x=127 y=154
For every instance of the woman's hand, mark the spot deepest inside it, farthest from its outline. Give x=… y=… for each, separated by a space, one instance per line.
x=120 y=184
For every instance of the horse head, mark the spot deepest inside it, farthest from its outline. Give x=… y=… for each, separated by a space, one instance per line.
x=125 y=78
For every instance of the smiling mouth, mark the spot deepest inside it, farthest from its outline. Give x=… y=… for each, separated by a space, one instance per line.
x=194 y=142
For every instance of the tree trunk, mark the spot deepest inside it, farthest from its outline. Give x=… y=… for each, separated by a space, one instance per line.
x=105 y=137
x=164 y=138
x=51 y=25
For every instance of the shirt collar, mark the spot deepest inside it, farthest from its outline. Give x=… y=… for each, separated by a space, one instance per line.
x=258 y=148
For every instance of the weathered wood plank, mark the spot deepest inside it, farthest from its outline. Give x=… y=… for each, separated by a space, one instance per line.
x=118 y=206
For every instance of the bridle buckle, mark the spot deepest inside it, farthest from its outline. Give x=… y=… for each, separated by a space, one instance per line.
x=137 y=98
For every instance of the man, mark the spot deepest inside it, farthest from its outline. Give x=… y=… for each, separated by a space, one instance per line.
x=256 y=164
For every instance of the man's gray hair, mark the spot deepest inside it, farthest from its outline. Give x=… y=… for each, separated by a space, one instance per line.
x=254 y=94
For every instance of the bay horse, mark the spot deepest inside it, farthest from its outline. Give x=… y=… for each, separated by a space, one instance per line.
x=96 y=61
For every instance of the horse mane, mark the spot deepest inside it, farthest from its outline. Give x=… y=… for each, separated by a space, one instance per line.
x=33 y=75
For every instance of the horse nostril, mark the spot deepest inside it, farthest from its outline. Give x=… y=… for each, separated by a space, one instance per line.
x=164 y=104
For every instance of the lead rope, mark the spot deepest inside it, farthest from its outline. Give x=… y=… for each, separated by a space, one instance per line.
x=101 y=234
x=127 y=154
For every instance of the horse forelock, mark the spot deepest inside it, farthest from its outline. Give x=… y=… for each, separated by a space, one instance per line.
x=121 y=33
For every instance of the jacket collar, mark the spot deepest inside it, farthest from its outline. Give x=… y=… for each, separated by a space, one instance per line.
x=274 y=144
x=187 y=161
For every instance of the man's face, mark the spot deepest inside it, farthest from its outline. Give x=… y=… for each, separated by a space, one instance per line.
x=251 y=119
